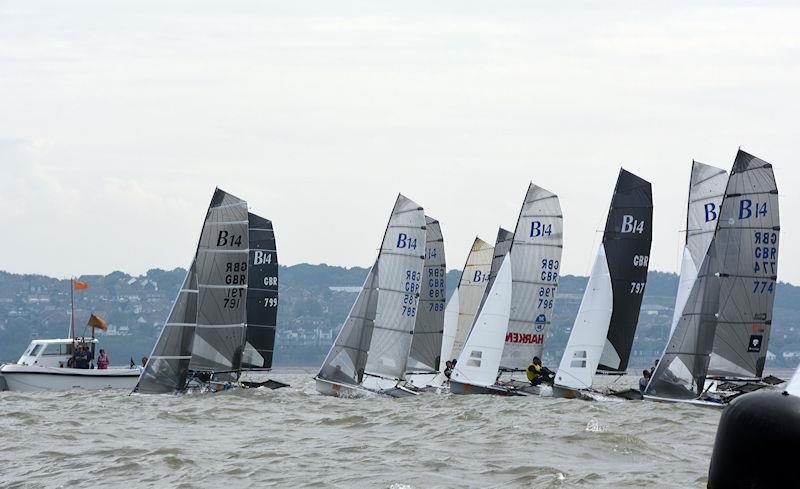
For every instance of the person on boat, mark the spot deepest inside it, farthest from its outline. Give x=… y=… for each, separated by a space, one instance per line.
x=143 y=365
x=83 y=357
x=644 y=381
x=102 y=360
x=537 y=374
x=448 y=368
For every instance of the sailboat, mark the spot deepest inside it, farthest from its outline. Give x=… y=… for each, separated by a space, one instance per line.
x=533 y=256
x=479 y=360
x=222 y=322
x=426 y=343
x=729 y=309
x=459 y=314
x=603 y=331
x=370 y=353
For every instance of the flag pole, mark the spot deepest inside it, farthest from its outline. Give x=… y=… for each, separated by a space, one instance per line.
x=72 y=308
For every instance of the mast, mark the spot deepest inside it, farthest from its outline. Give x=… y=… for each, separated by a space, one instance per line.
x=72 y=310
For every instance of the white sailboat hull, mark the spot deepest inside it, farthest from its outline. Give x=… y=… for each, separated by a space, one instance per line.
x=26 y=378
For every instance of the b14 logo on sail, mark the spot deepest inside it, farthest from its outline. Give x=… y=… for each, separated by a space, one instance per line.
x=631 y=225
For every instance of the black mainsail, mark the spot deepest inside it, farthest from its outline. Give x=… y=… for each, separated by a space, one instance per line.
x=626 y=240
x=262 y=295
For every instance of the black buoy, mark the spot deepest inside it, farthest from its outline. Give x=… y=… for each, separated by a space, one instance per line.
x=758 y=443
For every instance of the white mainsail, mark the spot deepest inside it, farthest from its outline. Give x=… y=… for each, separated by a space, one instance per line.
x=535 y=268
x=706 y=189
x=477 y=363
x=460 y=311
x=400 y=264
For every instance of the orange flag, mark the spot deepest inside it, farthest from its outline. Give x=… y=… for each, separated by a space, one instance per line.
x=81 y=285
x=96 y=321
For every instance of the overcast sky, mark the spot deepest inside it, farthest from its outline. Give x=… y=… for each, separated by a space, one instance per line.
x=117 y=120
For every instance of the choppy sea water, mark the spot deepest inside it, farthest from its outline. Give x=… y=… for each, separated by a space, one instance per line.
x=294 y=437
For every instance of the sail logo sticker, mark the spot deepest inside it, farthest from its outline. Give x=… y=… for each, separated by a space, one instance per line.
x=403 y=241
x=631 y=225
x=539 y=324
x=711 y=212
x=525 y=338
x=758 y=328
x=755 y=343
x=747 y=210
x=538 y=229
x=261 y=258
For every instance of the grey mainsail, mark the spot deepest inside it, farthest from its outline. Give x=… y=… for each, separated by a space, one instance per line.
x=426 y=342
x=535 y=265
x=262 y=295
x=400 y=264
x=222 y=257
x=168 y=365
x=748 y=233
x=731 y=302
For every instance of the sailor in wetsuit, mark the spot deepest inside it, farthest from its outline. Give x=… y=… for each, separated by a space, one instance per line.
x=537 y=374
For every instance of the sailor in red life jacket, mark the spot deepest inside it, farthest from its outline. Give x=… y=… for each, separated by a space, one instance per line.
x=537 y=374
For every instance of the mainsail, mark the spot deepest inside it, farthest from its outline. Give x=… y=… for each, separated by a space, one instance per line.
x=168 y=365
x=535 y=264
x=729 y=310
x=262 y=295
x=626 y=242
x=464 y=303
x=749 y=237
x=706 y=189
x=609 y=311
x=400 y=263
x=222 y=257
x=426 y=342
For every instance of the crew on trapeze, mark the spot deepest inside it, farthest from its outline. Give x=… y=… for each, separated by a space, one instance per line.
x=538 y=374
